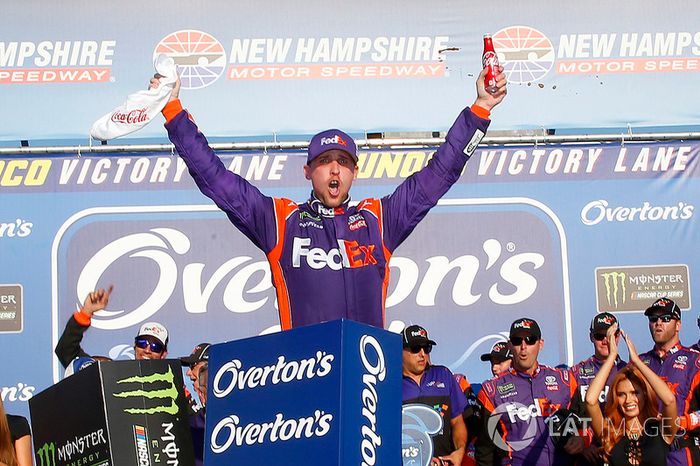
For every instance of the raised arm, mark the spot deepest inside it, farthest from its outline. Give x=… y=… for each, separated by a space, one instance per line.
x=596 y=387
x=68 y=346
x=413 y=198
x=247 y=208
x=669 y=409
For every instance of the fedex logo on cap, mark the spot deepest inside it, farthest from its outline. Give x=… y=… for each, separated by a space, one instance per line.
x=334 y=140
x=605 y=320
x=524 y=324
x=499 y=347
x=152 y=329
x=419 y=333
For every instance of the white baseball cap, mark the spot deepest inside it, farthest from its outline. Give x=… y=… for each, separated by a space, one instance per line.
x=155 y=330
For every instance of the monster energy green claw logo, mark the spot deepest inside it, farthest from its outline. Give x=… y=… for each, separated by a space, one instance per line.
x=47 y=454
x=614 y=287
x=169 y=393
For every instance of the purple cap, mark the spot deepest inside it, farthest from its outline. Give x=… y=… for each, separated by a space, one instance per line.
x=331 y=139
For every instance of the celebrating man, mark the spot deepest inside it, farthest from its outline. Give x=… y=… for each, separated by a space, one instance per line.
x=330 y=258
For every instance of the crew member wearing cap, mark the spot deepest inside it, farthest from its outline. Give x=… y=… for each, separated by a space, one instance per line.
x=330 y=257
x=529 y=390
x=198 y=359
x=194 y=363
x=679 y=367
x=434 y=386
x=585 y=371
x=150 y=343
x=500 y=358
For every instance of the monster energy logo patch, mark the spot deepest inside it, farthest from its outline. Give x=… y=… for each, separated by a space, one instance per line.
x=47 y=454
x=635 y=288
x=166 y=394
x=615 y=287
x=307 y=215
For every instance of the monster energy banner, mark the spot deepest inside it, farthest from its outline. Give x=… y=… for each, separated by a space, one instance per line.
x=116 y=413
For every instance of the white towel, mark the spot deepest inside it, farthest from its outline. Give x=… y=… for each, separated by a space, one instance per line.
x=140 y=108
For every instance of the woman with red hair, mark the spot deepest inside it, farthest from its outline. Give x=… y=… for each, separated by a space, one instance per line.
x=632 y=431
x=7 y=449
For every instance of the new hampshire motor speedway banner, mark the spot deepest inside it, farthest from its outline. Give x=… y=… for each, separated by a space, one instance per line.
x=251 y=69
x=551 y=232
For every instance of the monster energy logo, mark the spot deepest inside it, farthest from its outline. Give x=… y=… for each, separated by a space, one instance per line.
x=303 y=215
x=169 y=393
x=47 y=454
x=614 y=287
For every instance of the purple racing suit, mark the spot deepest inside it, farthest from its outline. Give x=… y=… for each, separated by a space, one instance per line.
x=680 y=369
x=520 y=403
x=327 y=263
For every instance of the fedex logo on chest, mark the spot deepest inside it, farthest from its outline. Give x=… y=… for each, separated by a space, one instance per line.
x=348 y=254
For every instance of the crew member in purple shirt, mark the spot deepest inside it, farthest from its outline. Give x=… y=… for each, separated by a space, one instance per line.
x=679 y=367
x=435 y=387
x=329 y=257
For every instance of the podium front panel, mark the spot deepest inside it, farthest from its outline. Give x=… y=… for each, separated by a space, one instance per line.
x=285 y=397
x=114 y=413
x=68 y=422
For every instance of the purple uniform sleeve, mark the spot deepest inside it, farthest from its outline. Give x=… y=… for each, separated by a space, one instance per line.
x=247 y=208
x=412 y=199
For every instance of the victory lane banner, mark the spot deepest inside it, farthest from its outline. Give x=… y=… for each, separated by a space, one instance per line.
x=114 y=413
x=325 y=394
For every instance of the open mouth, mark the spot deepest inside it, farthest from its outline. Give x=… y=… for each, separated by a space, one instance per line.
x=334 y=187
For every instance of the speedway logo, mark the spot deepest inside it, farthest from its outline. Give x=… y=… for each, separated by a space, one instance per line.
x=599 y=211
x=199 y=56
x=634 y=288
x=528 y=55
x=49 y=62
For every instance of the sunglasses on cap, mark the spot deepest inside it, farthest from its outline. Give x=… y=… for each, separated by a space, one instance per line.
x=144 y=343
x=666 y=318
x=530 y=340
x=416 y=349
x=603 y=336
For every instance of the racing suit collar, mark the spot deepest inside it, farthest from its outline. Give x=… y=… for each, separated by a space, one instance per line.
x=525 y=374
x=662 y=354
x=317 y=206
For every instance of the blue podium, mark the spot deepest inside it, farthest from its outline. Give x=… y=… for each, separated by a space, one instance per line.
x=326 y=394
